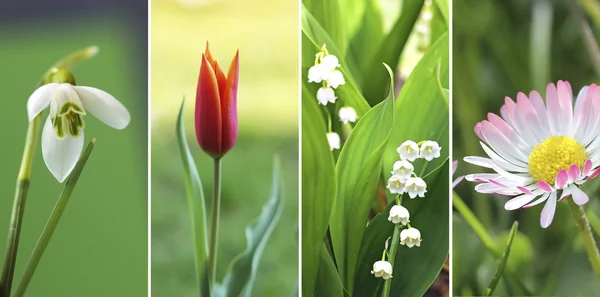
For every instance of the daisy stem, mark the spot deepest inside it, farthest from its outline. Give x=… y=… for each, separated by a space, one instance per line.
x=588 y=237
x=214 y=226
x=16 y=219
x=387 y=285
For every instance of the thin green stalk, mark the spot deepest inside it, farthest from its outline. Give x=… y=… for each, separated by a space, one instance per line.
x=477 y=226
x=393 y=249
x=214 y=226
x=588 y=237
x=588 y=35
x=500 y=271
x=16 y=218
x=53 y=221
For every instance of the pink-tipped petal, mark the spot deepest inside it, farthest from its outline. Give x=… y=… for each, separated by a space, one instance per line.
x=540 y=108
x=544 y=186
x=587 y=167
x=554 y=114
x=518 y=202
x=477 y=130
x=594 y=174
x=565 y=193
x=562 y=179
x=524 y=190
x=565 y=101
x=574 y=173
x=579 y=196
x=497 y=183
x=548 y=212
x=538 y=201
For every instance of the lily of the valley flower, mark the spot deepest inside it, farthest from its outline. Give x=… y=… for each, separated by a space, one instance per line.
x=334 y=140
x=399 y=214
x=429 y=150
x=410 y=237
x=416 y=186
x=62 y=137
x=403 y=169
x=324 y=72
x=408 y=150
x=325 y=95
x=396 y=184
x=382 y=269
x=347 y=114
x=216 y=99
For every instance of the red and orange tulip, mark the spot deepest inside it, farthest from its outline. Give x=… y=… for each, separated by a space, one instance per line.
x=216 y=108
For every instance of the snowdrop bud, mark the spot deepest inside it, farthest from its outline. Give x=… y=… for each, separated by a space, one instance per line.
x=334 y=140
x=335 y=79
x=410 y=237
x=408 y=150
x=399 y=214
x=382 y=269
x=325 y=95
x=396 y=184
x=330 y=62
x=317 y=73
x=403 y=169
x=347 y=114
x=429 y=150
x=415 y=186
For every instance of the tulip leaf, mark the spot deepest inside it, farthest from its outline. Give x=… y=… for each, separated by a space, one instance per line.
x=196 y=205
x=358 y=171
x=414 y=268
x=318 y=188
x=241 y=273
x=421 y=92
x=490 y=289
x=328 y=282
x=375 y=87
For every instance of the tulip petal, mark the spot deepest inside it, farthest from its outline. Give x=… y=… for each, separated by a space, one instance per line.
x=104 y=107
x=229 y=106
x=208 y=118
x=60 y=155
x=40 y=99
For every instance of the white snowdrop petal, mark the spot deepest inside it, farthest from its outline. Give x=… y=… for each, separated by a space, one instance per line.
x=60 y=155
x=104 y=107
x=40 y=99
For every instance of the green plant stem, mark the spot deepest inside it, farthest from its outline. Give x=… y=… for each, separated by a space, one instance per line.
x=214 y=226
x=393 y=249
x=588 y=237
x=477 y=226
x=16 y=219
x=53 y=221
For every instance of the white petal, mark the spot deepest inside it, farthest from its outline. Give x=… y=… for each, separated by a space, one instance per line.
x=579 y=196
x=40 y=99
x=548 y=211
x=104 y=106
x=60 y=155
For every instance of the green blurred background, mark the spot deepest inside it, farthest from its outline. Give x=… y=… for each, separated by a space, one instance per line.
x=501 y=47
x=100 y=246
x=266 y=33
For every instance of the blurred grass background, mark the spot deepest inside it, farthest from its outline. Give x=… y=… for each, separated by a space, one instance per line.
x=501 y=47
x=100 y=245
x=266 y=33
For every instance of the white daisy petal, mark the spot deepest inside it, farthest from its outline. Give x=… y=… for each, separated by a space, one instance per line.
x=40 y=99
x=60 y=155
x=104 y=106
x=579 y=196
x=548 y=211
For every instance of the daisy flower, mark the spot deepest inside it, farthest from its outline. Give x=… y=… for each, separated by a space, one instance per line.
x=541 y=151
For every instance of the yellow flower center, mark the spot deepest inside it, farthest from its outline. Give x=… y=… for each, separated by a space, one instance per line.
x=554 y=154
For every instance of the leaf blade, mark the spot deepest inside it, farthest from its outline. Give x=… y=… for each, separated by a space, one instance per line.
x=500 y=271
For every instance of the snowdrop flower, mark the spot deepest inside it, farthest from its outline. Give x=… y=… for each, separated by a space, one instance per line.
x=382 y=269
x=541 y=151
x=62 y=136
x=399 y=214
x=347 y=114
x=415 y=186
x=325 y=95
x=429 y=150
x=396 y=184
x=335 y=79
x=408 y=150
x=403 y=169
x=334 y=140
x=410 y=237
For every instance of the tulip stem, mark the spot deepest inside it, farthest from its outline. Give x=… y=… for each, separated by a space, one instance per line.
x=588 y=237
x=214 y=226
x=387 y=284
x=16 y=219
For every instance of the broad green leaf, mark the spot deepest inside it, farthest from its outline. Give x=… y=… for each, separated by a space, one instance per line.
x=375 y=85
x=318 y=188
x=367 y=39
x=490 y=289
x=352 y=15
x=415 y=268
x=439 y=22
x=328 y=282
x=196 y=205
x=421 y=111
x=241 y=273
x=358 y=171
x=329 y=15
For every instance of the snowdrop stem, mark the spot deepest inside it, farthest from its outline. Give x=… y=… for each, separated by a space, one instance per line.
x=588 y=237
x=387 y=284
x=214 y=226
x=16 y=219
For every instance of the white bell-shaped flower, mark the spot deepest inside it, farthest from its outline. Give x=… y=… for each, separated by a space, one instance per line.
x=62 y=136
x=399 y=214
x=396 y=184
x=429 y=150
x=318 y=73
x=325 y=95
x=334 y=140
x=403 y=169
x=410 y=237
x=335 y=79
x=330 y=62
x=347 y=114
x=416 y=186
x=408 y=150
x=382 y=269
